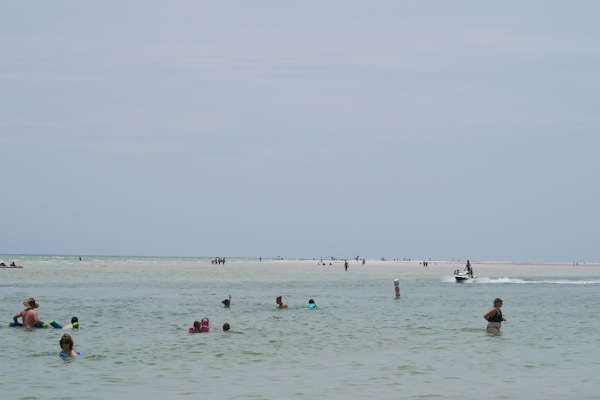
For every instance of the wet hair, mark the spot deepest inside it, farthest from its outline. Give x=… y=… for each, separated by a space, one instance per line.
x=226 y=327
x=278 y=299
x=311 y=301
x=66 y=339
x=74 y=319
x=197 y=325
x=498 y=300
x=226 y=302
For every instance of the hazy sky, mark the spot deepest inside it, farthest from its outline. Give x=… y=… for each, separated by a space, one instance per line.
x=421 y=129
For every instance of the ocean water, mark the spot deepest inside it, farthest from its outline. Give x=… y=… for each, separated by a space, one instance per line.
x=361 y=343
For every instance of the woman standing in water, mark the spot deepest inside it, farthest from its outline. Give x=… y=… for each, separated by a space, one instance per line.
x=494 y=317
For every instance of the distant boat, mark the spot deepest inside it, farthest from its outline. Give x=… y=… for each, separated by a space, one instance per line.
x=278 y=258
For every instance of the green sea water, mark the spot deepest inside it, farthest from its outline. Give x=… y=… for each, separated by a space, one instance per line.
x=361 y=343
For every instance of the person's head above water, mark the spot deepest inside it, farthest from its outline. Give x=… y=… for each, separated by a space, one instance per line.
x=197 y=325
x=226 y=327
x=497 y=301
x=204 y=325
x=66 y=341
x=280 y=303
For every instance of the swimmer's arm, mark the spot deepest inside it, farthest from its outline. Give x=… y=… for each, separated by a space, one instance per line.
x=489 y=313
x=17 y=316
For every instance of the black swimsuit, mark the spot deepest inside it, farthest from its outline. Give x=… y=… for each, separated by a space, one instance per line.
x=497 y=317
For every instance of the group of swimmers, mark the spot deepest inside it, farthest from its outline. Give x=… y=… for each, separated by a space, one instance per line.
x=30 y=319
x=203 y=325
x=12 y=265
x=493 y=315
x=280 y=304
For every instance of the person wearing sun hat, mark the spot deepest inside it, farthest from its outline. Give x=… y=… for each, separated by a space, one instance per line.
x=29 y=315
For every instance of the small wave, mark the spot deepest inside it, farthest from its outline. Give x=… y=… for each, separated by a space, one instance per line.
x=501 y=280
x=504 y=280
x=569 y=282
x=484 y=280
x=546 y=281
x=447 y=279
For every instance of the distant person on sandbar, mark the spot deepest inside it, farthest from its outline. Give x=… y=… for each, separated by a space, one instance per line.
x=29 y=316
x=227 y=302
x=494 y=317
x=280 y=303
x=346 y=265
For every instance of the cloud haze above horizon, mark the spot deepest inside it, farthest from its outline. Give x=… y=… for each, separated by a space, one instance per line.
x=442 y=130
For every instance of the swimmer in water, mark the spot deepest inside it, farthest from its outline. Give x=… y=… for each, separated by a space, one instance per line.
x=280 y=303
x=227 y=302
x=226 y=327
x=494 y=317
x=66 y=346
x=73 y=325
x=29 y=316
x=204 y=325
x=311 y=305
x=197 y=327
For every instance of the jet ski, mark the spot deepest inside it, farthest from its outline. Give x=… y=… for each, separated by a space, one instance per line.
x=464 y=276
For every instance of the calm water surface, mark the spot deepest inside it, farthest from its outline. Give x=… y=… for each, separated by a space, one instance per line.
x=360 y=343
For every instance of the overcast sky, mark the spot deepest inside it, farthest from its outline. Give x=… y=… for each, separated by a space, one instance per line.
x=421 y=129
